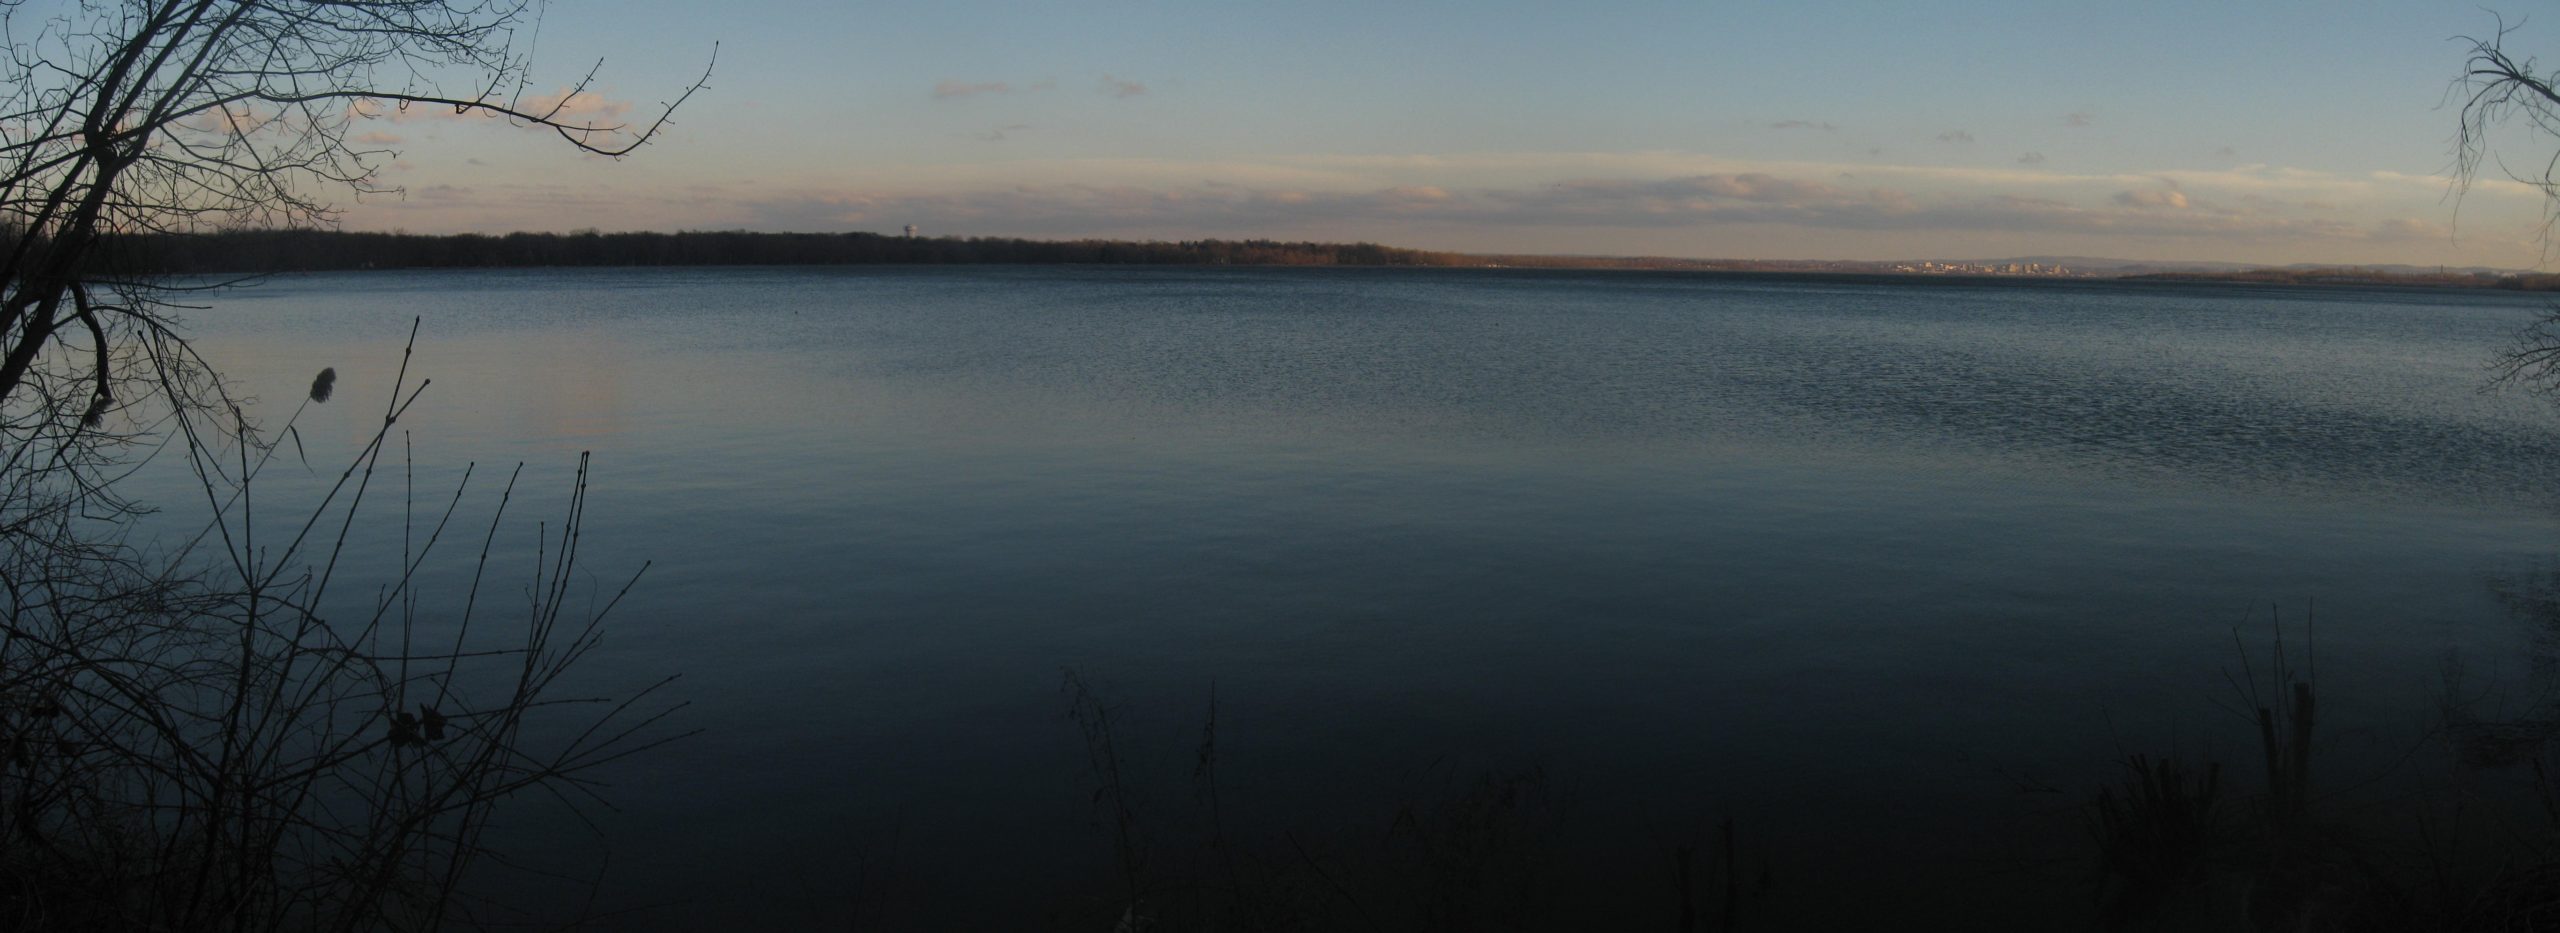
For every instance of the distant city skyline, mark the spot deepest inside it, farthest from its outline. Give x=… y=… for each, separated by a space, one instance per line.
x=1868 y=131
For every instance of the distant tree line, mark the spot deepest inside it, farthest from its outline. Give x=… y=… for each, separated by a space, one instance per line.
x=2350 y=275
x=308 y=250
x=320 y=250
x=300 y=250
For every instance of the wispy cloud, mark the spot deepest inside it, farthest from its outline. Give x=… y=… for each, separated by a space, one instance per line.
x=955 y=90
x=567 y=106
x=2078 y=118
x=2170 y=198
x=1123 y=89
x=581 y=107
x=1802 y=125
x=1492 y=170
x=2032 y=158
x=2403 y=228
x=1718 y=201
x=1678 y=203
x=1955 y=136
x=241 y=120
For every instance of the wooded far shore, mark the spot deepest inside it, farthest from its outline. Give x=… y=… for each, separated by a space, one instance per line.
x=306 y=250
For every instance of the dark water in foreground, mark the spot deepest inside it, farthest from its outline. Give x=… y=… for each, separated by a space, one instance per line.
x=1865 y=565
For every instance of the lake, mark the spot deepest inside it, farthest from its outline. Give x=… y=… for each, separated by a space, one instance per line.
x=1889 y=572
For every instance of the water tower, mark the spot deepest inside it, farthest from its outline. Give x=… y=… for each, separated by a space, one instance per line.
x=911 y=231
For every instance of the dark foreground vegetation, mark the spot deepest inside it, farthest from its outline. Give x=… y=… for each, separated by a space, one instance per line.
x=237 y=731
x=250 y=717
x=220 y=736
x=2457 y=830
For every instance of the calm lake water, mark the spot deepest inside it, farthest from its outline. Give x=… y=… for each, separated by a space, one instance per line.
x=1889 y=572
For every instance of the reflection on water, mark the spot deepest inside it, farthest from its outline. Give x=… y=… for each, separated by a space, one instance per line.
x=1838 y=558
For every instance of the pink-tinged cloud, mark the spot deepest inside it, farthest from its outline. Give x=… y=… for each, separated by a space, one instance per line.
x=1733 y=208
x=234 y=121
x=586 y=108
x=2255 y=203
x=954 y=90
x=376 y=138
x=572 y=107
x=1702 y=202
x=1123 y=89
x=2171 y=199
x=1415 y=194
x=2078 y=118
x=2403 y=228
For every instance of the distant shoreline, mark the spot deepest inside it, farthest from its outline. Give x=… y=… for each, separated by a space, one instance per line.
x=2353 y=277
x=268 y=251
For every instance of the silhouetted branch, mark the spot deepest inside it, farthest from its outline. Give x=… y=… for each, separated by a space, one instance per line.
x=210 y=738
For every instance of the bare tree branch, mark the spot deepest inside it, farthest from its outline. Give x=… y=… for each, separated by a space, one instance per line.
x=2499 y=90
x=213 y=738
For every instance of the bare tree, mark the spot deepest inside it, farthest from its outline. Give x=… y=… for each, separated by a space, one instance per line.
x=213 y=738
x=122 y=116
x=2499 y=90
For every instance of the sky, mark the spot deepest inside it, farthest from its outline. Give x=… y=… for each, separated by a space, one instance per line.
x=2274 y=132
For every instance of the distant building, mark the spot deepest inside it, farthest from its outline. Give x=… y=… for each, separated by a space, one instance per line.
x=911 y=231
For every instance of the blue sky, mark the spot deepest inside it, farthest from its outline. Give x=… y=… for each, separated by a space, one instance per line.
x=2277 y=132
